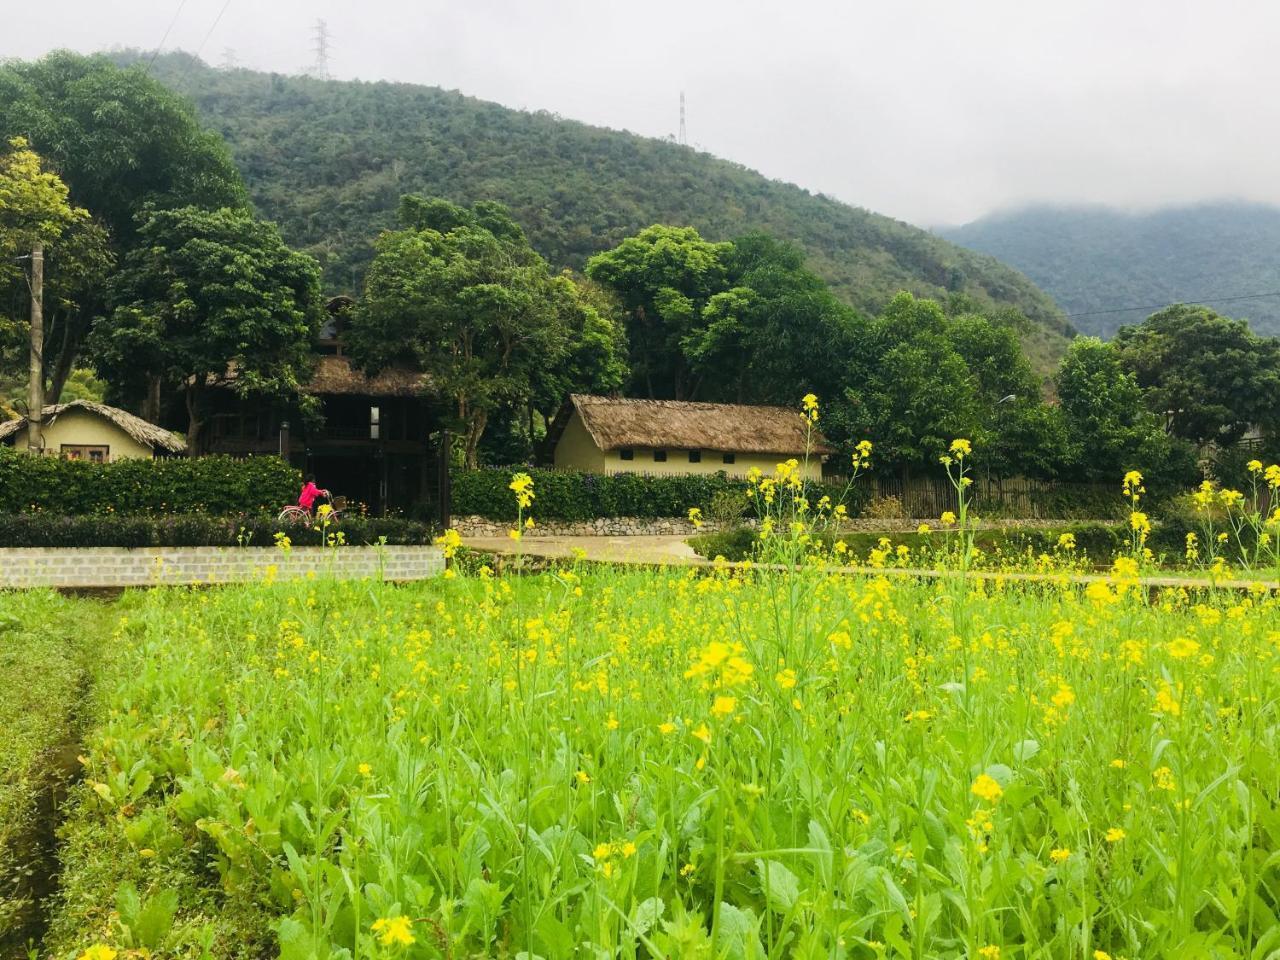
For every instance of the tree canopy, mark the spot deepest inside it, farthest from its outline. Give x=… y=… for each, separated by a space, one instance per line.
x=207 y=293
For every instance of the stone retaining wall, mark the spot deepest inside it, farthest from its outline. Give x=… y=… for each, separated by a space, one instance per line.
x=151 y=566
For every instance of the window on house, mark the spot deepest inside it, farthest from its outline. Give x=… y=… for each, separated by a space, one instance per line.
x=659 y=456
x=695 y=456
x=730 y=458
x=375 y=422
x=77 y=451
x=626 y=454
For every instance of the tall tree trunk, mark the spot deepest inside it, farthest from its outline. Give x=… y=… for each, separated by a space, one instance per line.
x=475 y=430
x=151 y=403
x=63 y=361
x=194 y=422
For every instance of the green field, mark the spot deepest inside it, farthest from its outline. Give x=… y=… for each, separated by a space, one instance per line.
x=644 y=764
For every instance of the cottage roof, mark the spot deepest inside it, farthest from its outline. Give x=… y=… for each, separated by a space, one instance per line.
x=145 y=433
x=336 y=375
x=615 y=423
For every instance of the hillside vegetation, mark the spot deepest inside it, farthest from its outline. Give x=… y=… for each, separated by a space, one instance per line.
x=1097 y=259
x=329 y=161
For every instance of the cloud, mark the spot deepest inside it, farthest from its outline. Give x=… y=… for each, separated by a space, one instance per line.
x=935 y=112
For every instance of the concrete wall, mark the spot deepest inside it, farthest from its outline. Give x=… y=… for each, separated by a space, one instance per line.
x=152 y=566
x=577 y=451
x=82 y=428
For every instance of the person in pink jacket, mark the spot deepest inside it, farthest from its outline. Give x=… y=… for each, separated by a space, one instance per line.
x=310 y=493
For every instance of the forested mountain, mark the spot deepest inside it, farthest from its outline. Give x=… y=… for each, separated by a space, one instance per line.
x=1093 y=260
x=329 y=160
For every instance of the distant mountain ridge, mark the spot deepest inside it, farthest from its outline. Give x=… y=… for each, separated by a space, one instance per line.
x=1096 y=260
x=328 y=160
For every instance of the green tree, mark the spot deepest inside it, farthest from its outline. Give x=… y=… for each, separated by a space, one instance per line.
x=204 y=294
x=1208 y=374
x=665 y=277
x=914 y=393
x=1017 y=432
x=460 y=293
x=1109 y=428
x=122 y=142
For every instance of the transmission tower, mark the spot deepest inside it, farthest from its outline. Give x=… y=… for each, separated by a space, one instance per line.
x=321 y=69
x=683 y=138
x=229 y=60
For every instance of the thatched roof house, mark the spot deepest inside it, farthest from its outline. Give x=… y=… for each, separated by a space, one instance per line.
x=613 y=435
x=86 y=430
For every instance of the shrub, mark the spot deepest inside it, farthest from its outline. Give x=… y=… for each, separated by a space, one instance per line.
x=562 y=495
x=884 y=508
x=195 y=530
x=214 y=485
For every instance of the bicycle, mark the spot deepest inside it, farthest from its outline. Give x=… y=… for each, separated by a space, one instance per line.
x=295 y=514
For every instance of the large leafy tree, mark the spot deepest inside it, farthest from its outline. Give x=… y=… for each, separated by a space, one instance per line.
x=35 y=207
x=1208 y=374
x=1109 y=428
x=913 y=393
x=666 y=278
x=203 y=294
x=460 y=293
x=122 y=142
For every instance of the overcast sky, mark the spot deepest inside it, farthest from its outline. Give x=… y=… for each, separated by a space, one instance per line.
x=935 y=111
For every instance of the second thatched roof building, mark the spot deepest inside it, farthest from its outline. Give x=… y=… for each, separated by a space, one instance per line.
x=617 y=435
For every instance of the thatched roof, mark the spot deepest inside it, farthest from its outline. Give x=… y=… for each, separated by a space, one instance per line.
x=338 y=375
x=147 y=434
x=617 y=423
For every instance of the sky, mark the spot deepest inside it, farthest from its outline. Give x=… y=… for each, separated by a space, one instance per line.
x=932 y=111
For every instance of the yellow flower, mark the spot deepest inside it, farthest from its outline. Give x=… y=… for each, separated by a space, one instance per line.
x=703 y=733
x=1067 y=541
x=948 y=518
x=1115 y=835
x=582 y=776
x=923 y=529
x=514 y=534
x=695 y=517
x=1254 y=466
x=528 y=523
x=666 y=729
x=1060 y=854
x=810 y=402
x=1163 y=777
x=1183 y=647
x=961 y=449
x=1118 y=764
x=1132 y=483
x=522 y=486
x=99 y=951
x=986 y=788
x=786 y=679
x=989 y=952
x=365 y=770
x=602 y=851
x=724 y=706
x=1101 y=955
x=393 y=931
x=628 y=849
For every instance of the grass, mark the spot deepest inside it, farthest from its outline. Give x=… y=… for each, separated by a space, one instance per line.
x=677 y=764
x=46 y=650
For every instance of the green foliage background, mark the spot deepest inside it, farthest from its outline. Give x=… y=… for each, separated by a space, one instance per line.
x=329 y=162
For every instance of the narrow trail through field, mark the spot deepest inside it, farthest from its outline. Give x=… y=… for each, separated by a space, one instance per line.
x=674 y=551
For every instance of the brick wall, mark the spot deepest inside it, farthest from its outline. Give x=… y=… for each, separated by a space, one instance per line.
x=149 y=566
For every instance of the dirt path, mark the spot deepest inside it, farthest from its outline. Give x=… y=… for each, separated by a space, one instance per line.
x=673 y=551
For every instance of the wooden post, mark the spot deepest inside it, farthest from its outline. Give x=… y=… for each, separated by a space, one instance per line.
x=35 y=385
x=442 y=481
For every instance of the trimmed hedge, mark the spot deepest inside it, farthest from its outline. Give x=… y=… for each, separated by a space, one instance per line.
x=213 y=485
x=561 y=495
x=196 y=530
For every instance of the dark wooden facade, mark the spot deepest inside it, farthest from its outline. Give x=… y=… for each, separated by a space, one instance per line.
x=378 y=440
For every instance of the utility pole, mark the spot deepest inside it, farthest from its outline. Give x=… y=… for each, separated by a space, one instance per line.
x=683 y=138
x=35 y=391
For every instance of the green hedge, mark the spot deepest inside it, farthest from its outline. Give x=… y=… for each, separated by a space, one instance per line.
x=213 y=485
x=1100 y=541
x=561 y=495
x=195 y=530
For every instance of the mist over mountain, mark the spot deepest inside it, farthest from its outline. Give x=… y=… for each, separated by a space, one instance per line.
x=1097 y=261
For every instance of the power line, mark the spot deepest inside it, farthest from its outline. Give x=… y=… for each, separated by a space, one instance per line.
x=213 y=27
x=1161 y=306
x=156 y=52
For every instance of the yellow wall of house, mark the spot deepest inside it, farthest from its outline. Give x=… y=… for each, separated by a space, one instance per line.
x=577 y=451
x=81 y=428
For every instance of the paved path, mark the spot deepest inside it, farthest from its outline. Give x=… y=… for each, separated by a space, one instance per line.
x=673 y=551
